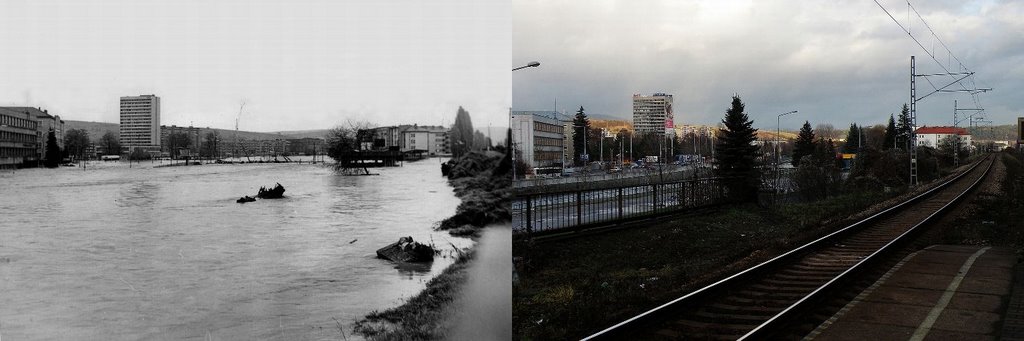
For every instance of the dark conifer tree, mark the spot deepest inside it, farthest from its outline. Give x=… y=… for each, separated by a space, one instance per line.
x=737 y=154
x=581 y=127
x=904 y=127
x=461 y=133
x=890 y=134
x=804 y=143
x=853 y=140
x=52 y=159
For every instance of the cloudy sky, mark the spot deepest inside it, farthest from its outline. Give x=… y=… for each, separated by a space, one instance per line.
x=306 y=65
x=836 y=62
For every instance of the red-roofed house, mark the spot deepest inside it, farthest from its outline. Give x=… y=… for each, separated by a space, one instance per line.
x=931 y=136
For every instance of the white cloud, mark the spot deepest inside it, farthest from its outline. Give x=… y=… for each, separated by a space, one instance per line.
x=835 y=61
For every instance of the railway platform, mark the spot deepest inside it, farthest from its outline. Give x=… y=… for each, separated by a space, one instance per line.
x=943 y=292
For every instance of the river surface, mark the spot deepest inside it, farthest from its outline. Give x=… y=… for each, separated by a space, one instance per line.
x=112 y=253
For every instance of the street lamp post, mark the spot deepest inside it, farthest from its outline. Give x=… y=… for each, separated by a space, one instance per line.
x=778 y=131
x=513 y=150
x=530 y=64
x=585 y=130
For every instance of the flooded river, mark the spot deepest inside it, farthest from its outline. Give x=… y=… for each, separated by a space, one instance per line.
x=111 y=253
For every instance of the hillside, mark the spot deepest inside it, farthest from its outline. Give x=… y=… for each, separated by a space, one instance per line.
x=97 y=129
x=611 y=125
x=765 y=135
x=1006 y=132
x=315 y=133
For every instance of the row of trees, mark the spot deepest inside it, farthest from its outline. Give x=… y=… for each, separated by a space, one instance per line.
x=78 y=141
x=882 y=158
x=880 y=148
x=625 y=145
x=881 y=137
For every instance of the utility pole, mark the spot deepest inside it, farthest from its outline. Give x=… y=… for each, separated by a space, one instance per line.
x=912 y=139
x=913 y=106
x=956 y=134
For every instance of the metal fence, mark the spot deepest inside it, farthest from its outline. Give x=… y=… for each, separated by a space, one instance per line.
x=541 y=213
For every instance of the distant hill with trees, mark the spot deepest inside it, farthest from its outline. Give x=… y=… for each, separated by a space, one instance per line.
x=994 y=133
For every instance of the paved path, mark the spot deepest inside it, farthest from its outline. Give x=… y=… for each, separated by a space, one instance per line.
x=944 y=292
x=484 y=312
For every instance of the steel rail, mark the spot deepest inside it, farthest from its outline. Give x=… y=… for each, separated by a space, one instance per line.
x=703 y=293
x=779 y=319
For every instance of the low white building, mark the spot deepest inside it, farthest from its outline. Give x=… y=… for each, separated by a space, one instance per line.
x=932 y=136
x=431 y=139
x=539 y=136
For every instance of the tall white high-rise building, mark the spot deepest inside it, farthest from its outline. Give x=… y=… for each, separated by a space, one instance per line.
x=653 y=114
x=140 y=122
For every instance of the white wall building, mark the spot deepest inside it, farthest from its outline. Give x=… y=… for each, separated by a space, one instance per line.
x=539 y=136
x=932 y=136
x=46 y=122
x=140 y=122
x=653 y=114
x=432 y=139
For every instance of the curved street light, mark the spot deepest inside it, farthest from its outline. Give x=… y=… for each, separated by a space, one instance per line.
x=530 y=64
x=511 y=146
x=778 y=132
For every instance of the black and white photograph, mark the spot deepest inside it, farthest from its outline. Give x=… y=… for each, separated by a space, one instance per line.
x=254 y=170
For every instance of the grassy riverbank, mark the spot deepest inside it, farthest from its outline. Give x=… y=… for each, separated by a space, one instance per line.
x=423 y=316
x=479 y=181
x=569 y=289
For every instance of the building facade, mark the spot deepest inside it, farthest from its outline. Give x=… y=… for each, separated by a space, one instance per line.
x=1020 y=132
x=140 y=123
x=19 y=135
x=305 y=146
x=539 y=138
x=434 y=140
x=45 y=123
x=653 y=114
x=430 y=140
x=933 y=136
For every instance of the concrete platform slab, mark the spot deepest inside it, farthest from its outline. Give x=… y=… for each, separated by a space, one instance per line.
x=945 y=292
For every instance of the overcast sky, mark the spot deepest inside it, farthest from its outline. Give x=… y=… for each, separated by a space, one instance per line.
x=836 y=62
x=298 y=65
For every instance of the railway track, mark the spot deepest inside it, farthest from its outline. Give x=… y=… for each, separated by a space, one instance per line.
x=764 y=300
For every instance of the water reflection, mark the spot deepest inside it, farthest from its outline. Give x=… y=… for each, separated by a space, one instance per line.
x=411 y=270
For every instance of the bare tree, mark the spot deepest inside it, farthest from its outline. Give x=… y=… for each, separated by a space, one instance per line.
x=344 y=138
x=111 y=144
x=75 y=142
x=827 y=131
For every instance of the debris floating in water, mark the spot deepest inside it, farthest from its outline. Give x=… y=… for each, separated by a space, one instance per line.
x=407 y=250
x=274 y=193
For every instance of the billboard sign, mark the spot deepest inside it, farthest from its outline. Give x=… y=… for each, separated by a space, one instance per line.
x=1020 y=130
